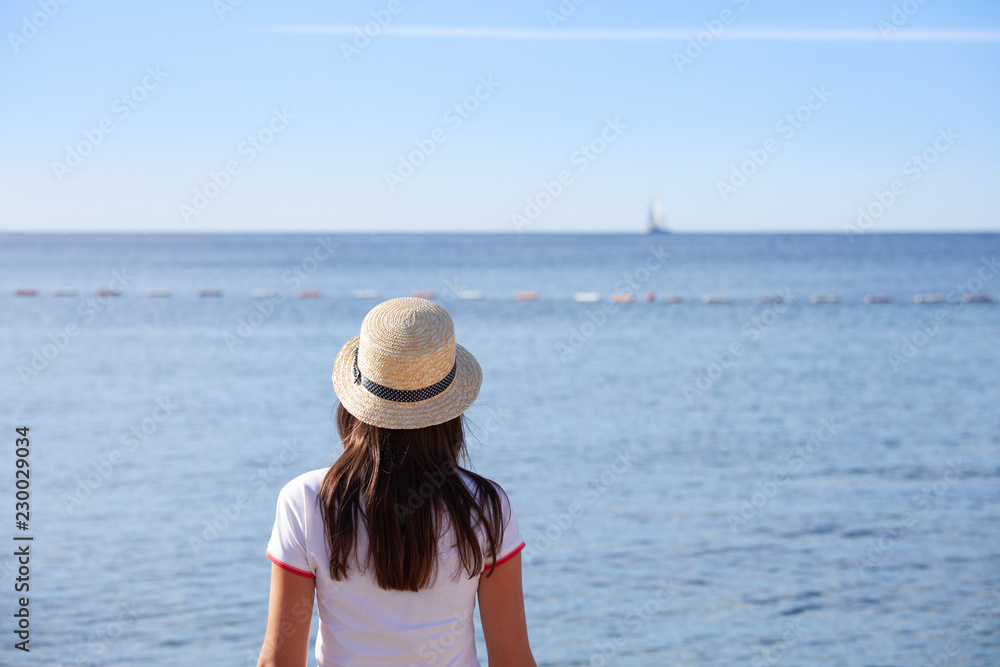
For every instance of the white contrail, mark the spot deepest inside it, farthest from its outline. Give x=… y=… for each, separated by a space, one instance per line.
x=663 y=34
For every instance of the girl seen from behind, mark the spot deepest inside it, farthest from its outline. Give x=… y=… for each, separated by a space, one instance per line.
x=395 y=540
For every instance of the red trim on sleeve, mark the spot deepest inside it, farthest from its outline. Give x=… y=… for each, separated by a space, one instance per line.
x=293 y=570
x=507 y=557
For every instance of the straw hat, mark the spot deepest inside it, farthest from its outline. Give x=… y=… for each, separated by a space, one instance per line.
x=405 y=369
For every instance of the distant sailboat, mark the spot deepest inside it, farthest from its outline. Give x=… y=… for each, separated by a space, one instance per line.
x=655 y=224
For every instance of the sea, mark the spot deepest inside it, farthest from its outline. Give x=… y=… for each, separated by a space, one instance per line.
x=802 y=471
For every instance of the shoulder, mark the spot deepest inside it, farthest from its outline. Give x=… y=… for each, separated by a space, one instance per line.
x=304 y=487
x=476 y=483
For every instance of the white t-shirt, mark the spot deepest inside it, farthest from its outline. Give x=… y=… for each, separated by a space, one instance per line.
x=362 y=624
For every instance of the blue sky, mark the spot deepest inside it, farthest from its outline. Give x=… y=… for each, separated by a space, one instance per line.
x=310 y=128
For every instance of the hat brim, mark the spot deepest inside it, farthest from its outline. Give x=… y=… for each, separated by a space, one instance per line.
x=371 y=409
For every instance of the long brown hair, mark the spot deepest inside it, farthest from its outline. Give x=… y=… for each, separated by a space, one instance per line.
x=396 y=484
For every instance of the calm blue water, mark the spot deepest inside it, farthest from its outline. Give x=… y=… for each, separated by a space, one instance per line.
x=742 y=483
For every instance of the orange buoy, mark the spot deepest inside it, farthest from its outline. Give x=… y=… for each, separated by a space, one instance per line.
x=650 y=297
x=526 y=296
x=622 y=297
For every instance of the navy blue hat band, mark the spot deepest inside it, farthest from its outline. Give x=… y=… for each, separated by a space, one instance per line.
x=402 y=395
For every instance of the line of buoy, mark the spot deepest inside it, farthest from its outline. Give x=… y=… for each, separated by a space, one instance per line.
x=581 y=297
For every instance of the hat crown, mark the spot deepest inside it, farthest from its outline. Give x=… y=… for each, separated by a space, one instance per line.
x=406 y=343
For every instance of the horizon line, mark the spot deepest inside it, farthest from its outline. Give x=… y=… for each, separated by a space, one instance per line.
x=660 y=34
x=830 y=232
